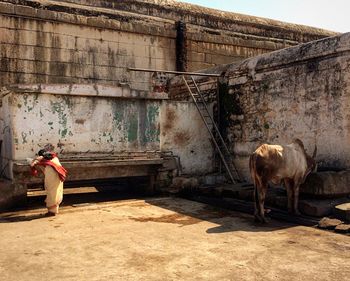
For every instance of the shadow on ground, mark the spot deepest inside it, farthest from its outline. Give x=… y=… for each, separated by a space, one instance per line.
x=226 y=220
x=185 y=211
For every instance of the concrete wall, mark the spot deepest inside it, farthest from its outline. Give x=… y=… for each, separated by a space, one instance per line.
x=69 y=42
x=60 y=42
x=88 y=121
x=302 y=92
x=79 y=121
x=215 y=37
x=43 y=46
x=183 y=132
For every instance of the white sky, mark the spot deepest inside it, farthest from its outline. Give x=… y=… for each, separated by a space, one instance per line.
x=332 y=15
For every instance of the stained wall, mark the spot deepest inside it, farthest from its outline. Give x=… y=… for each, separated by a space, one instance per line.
x=78 y=120
x=61 y=42
x=299 y=92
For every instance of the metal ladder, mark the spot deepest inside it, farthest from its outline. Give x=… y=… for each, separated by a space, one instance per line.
x=209 y=122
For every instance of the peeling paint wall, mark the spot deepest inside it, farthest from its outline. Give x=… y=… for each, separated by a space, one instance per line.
x=302 y=92
x=49 y=42
x=77 y=124
x=5 y=136
x=183 y=132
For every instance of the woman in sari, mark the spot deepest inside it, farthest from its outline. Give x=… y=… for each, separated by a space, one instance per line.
x=48 y=163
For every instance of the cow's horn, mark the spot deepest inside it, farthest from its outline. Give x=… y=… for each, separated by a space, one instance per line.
x=315 y=151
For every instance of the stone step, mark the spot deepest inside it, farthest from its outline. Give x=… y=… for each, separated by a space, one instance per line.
x=342 y=211
x=329 y=184
x=342 y=228
x=328 y=223
x=319 y=208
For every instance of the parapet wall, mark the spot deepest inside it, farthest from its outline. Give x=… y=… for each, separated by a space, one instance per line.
x=45 y=46
x=73 y=42
x=299 y=92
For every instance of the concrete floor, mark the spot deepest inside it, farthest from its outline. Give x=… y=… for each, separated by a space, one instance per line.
x=164 y=239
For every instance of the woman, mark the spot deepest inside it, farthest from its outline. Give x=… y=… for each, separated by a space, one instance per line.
x=48 y=163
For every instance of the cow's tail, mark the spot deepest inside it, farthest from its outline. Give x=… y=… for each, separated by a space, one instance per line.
x=255 y=179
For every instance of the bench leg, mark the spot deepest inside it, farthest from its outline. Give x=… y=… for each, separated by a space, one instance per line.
x=151 y=185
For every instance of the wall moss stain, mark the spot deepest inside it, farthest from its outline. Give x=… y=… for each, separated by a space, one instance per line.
x=25 y=99
x=118 y=116
x=30 y=102
x=63 y=132
x=24 y=138
x=132 y=130
x=59 y=107
x=152 y=125
x=230 y=107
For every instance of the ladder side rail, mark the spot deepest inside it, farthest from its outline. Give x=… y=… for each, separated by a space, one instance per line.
x=214 y=124
x=211 y=118
x=209 y=130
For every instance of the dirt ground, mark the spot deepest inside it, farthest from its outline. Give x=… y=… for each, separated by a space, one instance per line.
x=164 y=239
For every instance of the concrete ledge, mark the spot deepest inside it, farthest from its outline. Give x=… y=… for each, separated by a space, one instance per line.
x=95 y=169
x=84 y=15
x=12 y=194
x=342 y=211
x=300 y=54
x=327 y=184
x=90 y=90
x=213 y=18
x=319 y=208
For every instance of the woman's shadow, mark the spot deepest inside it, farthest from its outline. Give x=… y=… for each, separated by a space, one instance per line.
x=20 y=218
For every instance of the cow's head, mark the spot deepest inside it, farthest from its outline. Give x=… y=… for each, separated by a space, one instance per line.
x=311 y=163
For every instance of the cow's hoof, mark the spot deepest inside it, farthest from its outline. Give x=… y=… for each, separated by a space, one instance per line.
x=260 y=219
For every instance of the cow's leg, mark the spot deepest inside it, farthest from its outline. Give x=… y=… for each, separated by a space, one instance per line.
x=262 y=194
x=257 y=210
x=288 y=183
x=296 y=199
x=256 y=203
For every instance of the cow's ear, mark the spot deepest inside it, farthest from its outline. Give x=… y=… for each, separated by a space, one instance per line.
x=315 y=152
x=300 y=143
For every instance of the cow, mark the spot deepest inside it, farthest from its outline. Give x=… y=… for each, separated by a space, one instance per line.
x=274 y=163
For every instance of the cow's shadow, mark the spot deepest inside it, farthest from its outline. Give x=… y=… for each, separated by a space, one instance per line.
x=225 y=220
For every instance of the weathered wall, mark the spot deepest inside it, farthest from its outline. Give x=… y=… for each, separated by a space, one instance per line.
x=43 y=46
x=78 y=121
x=302 y=92
x=216 y=37
x=183 y=132
x=60 y=42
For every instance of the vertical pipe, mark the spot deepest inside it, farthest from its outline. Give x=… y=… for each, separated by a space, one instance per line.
x=181 y=46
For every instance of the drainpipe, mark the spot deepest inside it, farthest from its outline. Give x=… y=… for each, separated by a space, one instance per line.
x=181 y=46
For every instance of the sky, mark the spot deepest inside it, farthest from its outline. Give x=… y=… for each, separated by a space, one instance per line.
x=333 y=15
